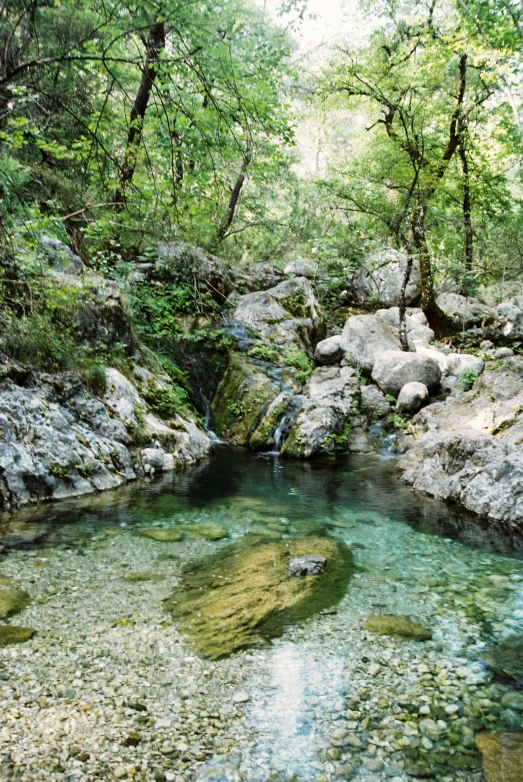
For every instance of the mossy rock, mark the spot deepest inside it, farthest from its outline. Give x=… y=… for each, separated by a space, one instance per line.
x=398 y=627
x=207 y=531
x=12 y=601
x=242 y=596
x=506 y=659
x=242 y=396
x=502 y=756
x=9 y=634
x=162 y=535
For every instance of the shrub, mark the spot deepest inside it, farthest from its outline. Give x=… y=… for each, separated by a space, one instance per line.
x=467 y=378
x=167 y=402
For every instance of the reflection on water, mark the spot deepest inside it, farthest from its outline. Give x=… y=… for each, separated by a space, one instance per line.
x=328 y=700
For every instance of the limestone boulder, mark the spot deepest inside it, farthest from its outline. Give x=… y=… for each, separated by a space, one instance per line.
x=301 y=267
x=287 y=315
x=365 y=337
x=380 y=279
x=460 y=362
x=393 y=369
x=412 y=397
x=329 y=398
x=465 y=312
x=183 y=263
x=328 y=351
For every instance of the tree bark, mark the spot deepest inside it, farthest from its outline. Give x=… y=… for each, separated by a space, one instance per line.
x=155 y=44
x=438 y=320
x=467 y=215
x=404 y=342
x=226 y=223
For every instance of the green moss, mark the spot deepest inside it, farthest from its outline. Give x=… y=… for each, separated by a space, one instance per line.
x=58 y=471
x=167 y=402
x=397 y=626
x=10 y=634
x=241 y=397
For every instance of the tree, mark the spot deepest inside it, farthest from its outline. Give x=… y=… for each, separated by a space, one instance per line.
x=420 y=91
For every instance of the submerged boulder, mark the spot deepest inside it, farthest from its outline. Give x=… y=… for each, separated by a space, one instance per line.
x=502 y=756
x=393 y=369
x=365 y=337
x=243 y=597
x=12 y=601
x=397 y=626
x=11 y=634
x=506 y=658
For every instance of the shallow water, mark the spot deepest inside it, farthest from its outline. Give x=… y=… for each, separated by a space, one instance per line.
x=326 y=700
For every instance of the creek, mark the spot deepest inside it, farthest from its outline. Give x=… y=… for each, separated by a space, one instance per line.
x=113 y=685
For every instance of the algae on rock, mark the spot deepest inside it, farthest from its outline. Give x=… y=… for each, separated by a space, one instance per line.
x=242 y=596
x=162 y=535
x=243 y=394
x=397 y=626
x=9 y=634
x=13 y=600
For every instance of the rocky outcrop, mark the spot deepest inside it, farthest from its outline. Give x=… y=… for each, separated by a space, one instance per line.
x=287 y=315
x=380 y=278
x=182 y=263
x=480 y=472
x=394 y=369
x=58 y=440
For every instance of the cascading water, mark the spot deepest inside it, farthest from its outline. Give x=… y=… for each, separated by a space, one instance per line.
x=286 y=421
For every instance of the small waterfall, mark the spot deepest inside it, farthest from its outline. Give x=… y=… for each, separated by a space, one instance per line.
x=387 y=442
x=207 y=422
x=286 y=421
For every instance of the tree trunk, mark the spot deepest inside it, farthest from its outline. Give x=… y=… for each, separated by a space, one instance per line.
x=226 y=223
x=155 y=44
x=467 y=216
x=438 y=320
x=403 y=306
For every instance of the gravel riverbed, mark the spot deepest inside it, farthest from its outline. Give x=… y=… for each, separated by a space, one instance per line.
x=108 y=689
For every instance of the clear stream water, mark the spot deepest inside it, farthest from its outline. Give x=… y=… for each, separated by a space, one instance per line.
x=327 y=700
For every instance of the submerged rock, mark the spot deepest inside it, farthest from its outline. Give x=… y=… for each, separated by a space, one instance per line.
x=397 y=626
x=162 y=535
x=207 y=531
x=9 y=634
x=506 y=658
x=309 y=565
x=502 y=756
x=12 y=601
x=243 y=595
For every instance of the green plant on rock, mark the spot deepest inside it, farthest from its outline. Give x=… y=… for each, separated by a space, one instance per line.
x=166 y=401
x=467 y=378
x=339 y=442
x=265 y=353
x=59 y=471
x=301 y=362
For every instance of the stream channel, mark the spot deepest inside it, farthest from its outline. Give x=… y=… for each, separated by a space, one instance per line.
x=115 y=684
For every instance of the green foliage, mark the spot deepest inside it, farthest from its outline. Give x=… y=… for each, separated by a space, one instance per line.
x=167 y=402
x=391 y=399
x=266 y=353
x=300 y=361
x=467 y=378
x=93 y=375
x=58 y=471
x=339 y=442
